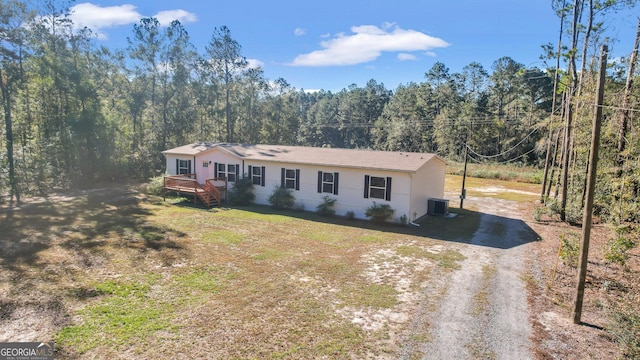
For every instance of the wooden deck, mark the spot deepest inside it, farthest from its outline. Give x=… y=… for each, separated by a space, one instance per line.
x=209 y=194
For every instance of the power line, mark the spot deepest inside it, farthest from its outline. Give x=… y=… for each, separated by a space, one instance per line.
x=618 y=108
x=504 y=152
x=432 y=122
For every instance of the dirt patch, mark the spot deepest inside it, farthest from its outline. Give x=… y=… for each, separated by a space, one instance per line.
x=552 y=295
x=283 y=284
x=483 y=311
x=29 y=321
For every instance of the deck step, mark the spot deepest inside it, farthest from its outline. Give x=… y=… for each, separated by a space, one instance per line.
x=207 y=194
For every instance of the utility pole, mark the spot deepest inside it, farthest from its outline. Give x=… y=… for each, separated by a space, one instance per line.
x=463 y=195
x=591 y=184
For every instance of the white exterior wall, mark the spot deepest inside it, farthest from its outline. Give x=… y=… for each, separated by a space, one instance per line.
x=350 y=188
x=428 y=183
x=171 y=163
x=212 y=157
x=410 y=192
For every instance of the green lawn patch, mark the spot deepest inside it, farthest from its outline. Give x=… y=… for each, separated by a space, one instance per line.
x=377 y=296
x=123 y=316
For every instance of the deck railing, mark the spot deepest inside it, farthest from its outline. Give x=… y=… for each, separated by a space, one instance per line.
x=181 y=181
x=187 y=183
x=212 y=189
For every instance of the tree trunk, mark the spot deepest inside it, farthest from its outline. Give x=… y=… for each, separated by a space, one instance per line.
x=553 y=110
x=585 y=46
x=8 y=122
x=577 y=6
x=624 y=119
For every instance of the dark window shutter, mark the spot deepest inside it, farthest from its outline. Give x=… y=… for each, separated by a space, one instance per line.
x=250 y=168
x=297 y=179
x=177 y=166
x=282 y=179
x=263 y=176
x=215 y=170
x=319 y=181
x=366 y=186
x=189 y=166
x=388 y=195
x=237 y=171
x=335 y=183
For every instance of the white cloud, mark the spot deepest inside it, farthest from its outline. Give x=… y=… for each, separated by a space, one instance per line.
x=98 y=18
x=254 y=63
x=299 y=31
x=366 y=44
x=166 y=17
x=406 y=56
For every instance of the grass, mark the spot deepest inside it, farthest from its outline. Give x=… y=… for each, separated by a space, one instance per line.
x=494 y=188
x=122 y=317
x=513 y=173
x=481 y=298
x=371 y=295
x=134 y=274
x=461 y=228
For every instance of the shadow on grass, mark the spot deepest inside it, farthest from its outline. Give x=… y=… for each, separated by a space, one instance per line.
x=83 y=224
x=469 y=227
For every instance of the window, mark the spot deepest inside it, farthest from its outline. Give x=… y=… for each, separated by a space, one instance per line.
x=257 y=174
x=328 y=182
x=377 y=187
x=290 y=179
x=228 y=171
x=205 y=164
x=183 y=167
x=232 y=171
x=221 y=171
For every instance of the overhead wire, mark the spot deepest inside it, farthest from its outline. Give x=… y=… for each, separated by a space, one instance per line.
x=504 y=152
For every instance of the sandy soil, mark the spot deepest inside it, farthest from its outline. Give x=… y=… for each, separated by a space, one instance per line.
x=493 y=307
x=483 y=312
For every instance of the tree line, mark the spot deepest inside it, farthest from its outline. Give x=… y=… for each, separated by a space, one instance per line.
x=76 y=112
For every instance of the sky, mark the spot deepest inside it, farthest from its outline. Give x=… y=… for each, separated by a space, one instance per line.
x=332 y=44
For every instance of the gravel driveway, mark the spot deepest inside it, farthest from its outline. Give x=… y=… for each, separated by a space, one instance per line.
x=483 y=311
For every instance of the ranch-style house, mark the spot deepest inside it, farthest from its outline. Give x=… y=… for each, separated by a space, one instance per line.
x=355 y=178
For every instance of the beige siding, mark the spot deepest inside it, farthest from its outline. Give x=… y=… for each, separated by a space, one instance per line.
x=350 y=195
x=427 y=183
x=410 y=191
x=171 y=163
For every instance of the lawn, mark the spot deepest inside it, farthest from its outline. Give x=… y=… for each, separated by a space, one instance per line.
x=115 y=272
x=500 y=189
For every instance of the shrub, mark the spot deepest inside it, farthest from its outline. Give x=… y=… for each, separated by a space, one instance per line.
x=379 y=213
x=624 y=325
x=551 y=208
x=569 y=250
x=326 y=207
x=350 y=215
x=538 y=211
x=617 y=248
x=155 y=185
x=282 y=198
x=242 y=192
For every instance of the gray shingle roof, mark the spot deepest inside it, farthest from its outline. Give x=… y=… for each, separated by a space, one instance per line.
x=368 y=159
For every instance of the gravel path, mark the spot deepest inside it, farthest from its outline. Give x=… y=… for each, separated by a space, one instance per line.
x=483 y=311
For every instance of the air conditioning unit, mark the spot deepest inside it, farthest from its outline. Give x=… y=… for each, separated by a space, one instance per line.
x=438 y=207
